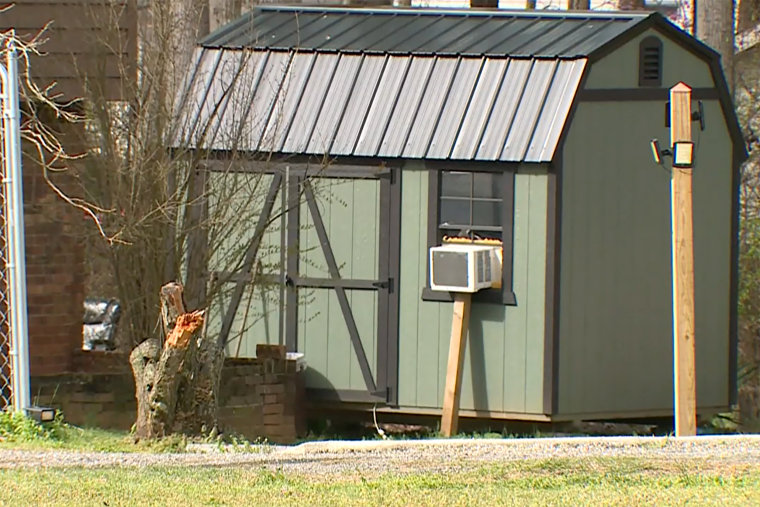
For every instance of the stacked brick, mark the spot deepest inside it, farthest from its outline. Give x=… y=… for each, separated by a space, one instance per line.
x=263 y=397
x=104 y=400
x=260 y=398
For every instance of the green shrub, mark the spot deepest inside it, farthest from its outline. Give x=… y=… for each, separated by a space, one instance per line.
x=17 y=427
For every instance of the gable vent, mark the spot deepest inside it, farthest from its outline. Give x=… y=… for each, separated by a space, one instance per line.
x=650 y=62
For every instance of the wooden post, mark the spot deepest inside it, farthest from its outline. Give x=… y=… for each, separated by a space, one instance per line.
x=459 y=324
x=685 y=385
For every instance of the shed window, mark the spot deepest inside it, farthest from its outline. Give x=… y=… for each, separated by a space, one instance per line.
x=478 y=205
x=650 y=62
x=471 y=204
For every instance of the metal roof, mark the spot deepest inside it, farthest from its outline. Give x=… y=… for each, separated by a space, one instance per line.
x=378 y=105
x=427 y=31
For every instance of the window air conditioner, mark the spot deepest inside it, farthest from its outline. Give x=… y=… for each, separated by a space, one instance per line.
x=464 y=267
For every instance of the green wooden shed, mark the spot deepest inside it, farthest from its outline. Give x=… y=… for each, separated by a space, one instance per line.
x=379 y=131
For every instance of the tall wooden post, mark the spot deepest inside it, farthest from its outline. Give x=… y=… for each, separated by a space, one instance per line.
x=459 y=325
x=683 y=269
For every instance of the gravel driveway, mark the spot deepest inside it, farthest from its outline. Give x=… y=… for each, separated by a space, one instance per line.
x=377 y=456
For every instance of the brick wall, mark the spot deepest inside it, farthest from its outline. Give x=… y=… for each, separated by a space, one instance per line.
x=55 y=271
x=259 y=398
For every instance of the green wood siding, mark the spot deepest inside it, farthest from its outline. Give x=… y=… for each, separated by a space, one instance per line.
x=350 y=212
x=235 y=201
x=620 y=69
x=503 y=364
x=615 y=340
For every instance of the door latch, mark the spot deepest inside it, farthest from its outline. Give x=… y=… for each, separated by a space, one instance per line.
x=383 y=284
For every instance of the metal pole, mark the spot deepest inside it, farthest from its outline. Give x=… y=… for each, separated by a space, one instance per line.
x=15 y=230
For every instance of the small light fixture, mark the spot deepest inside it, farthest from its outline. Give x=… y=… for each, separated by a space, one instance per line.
x=683 y=154
x=41 y=414
x=657 y=153
x=655 y=145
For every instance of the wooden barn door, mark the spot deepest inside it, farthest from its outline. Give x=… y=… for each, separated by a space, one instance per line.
x=342 y=282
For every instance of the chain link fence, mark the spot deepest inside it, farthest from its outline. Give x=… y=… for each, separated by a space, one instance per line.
x=6 y=382
x=6 y=391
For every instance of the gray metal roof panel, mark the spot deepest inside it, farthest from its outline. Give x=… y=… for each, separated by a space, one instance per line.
x=358 y=105
x=233 y=121
x=452 y=114
x=413 y=30
x=503 y=111
x=420 y=34
x=199 y=96
x=309 y=28
x=456 y=38
x=424 y=124
x=289 y=99
x=486 y=90
x=407 y=103
x=266 y=94
x=529 y=111
x=468 y=42
x=369 y=29
x=305 y=119
x=438 y=107
x=548 y=39
x=252 y=29
x=556 y=108
x=342 y=27
x=497 y=38
x=584 y=31
x=335 y=104
x=182 y=102
x=513 y=45
x=218 y=95
x=383 y=103
x=598 y=39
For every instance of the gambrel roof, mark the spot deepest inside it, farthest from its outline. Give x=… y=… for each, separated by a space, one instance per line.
x=397 y=83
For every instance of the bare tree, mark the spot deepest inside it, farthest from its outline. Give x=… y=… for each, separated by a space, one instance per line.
x=715 y=27
x=160 y=215
x=747 y=98
x=579 y=5
x=488 y=4
x=631 y=5
x=748 y=16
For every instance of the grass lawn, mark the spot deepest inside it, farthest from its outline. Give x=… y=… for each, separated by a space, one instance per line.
x=93 y=439
x=542 y=482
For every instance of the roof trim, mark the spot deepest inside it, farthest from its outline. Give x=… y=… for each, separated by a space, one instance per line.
x=464 y=12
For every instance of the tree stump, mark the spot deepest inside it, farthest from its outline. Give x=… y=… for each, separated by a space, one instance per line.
x=172 y=379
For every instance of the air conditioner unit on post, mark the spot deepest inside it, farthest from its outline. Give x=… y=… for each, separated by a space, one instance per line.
x=464 y=268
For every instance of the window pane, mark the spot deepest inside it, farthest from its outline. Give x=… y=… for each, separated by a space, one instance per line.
x=455 y=184
x=486 y=213
x=486 y=185
x=455 y=211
